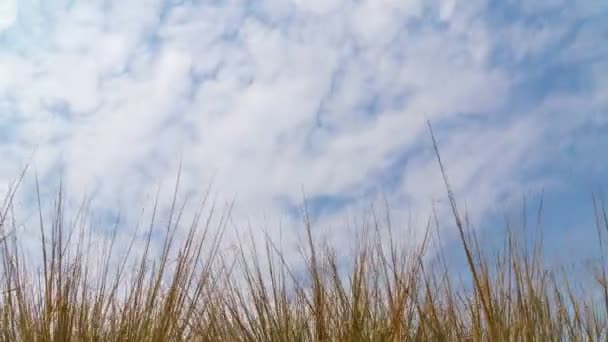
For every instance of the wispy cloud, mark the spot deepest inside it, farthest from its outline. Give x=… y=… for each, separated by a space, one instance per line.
x=272 y=98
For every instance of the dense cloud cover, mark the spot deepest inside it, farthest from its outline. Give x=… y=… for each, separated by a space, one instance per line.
x=274 y=100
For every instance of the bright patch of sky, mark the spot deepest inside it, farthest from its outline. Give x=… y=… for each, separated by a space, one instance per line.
x=8 y=13
x=272 y=99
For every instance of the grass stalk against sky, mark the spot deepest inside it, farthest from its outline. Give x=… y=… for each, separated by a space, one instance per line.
x=191 y=290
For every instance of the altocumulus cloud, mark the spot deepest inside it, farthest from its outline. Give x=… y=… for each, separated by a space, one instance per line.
x=269 y=99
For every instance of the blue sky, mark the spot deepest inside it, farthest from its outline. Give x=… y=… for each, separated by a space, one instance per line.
x=272 y=100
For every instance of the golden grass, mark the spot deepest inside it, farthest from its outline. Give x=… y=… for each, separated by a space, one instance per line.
x=191 y=291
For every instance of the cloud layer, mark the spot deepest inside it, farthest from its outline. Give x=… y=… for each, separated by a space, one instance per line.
x=272 y=99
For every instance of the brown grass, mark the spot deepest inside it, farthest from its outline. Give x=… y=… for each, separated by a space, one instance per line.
x=189 y=290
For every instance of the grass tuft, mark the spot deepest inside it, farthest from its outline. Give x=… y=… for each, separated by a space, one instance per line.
x=188 y=289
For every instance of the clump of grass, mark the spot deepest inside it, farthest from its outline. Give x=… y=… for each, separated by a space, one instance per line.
x=188 y=289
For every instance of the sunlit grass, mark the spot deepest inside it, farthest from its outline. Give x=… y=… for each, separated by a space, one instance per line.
x=189 y=290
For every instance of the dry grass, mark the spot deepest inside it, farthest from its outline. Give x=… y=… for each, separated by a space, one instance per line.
x=190 y=291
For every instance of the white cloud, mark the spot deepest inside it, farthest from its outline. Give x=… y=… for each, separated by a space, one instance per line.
x=446 y=9
x=271 y=99
x=8 y=13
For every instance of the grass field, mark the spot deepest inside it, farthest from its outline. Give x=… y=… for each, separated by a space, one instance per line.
x=191 y=291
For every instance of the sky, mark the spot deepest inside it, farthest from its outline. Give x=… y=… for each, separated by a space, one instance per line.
x=275 y=101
